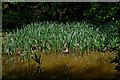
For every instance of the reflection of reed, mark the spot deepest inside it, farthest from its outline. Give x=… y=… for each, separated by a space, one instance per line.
x=92 y=65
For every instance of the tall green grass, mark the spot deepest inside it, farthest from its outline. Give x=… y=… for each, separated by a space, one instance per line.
x=52 y=37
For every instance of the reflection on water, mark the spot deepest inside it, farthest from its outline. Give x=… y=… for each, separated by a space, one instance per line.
x=93 y=65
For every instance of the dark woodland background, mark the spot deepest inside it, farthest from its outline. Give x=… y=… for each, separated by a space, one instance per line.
x=16 y=14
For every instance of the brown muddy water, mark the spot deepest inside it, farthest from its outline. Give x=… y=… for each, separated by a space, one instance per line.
x=95 y=65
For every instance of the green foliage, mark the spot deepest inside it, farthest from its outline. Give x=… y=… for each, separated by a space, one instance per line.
x=100 y=13
x=52 y=36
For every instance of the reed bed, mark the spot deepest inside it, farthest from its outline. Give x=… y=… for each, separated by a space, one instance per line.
x=50 y=37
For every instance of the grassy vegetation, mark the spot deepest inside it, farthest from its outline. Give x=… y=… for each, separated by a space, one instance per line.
x=49 y=37
x=35 y=51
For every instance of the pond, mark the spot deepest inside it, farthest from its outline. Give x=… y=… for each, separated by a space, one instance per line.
x=60 y=66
